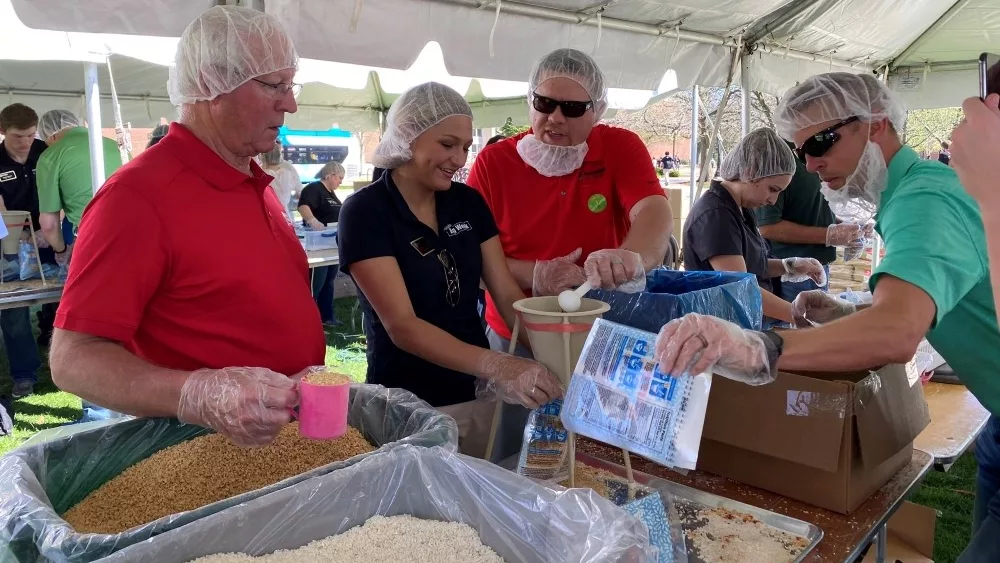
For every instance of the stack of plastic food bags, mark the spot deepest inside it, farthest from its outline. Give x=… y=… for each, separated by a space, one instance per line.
x=519 y=519
x=38 y=482
x=669 y=295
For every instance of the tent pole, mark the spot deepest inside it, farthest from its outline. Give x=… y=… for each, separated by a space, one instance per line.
x=92 y=92
x=124 y=144
x=745 y=61
x=695 y=100
x=919 y=41
x=720 y=112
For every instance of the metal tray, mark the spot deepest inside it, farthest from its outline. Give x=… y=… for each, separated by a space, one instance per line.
x=684 y=496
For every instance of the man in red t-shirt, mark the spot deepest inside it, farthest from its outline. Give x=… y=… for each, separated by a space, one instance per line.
x=574 y=201
x=185 y=264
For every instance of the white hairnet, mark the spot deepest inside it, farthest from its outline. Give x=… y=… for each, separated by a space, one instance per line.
x=56 y=120
x=416 y=111
x=761 y=154
x=578 y=67
x=223 y=49
x=836 y=96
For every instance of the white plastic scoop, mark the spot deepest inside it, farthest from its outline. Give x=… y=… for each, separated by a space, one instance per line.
x=571 y=299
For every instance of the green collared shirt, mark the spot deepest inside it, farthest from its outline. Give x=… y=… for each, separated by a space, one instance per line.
x=934 y=239
x=63 y=174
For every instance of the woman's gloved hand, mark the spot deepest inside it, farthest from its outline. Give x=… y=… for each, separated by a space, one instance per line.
x=554 y=276
x=802 y=269
x=520 y=380
x=818 y=307
x=247 y=405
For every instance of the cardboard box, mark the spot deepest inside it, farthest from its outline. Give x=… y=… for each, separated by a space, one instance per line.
x=910 y=537
x=827 y=439
x=678 y=211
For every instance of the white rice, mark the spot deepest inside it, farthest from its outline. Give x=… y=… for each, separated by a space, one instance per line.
x=396 y=539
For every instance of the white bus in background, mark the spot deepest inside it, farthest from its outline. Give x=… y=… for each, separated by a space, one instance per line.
x=309 y=150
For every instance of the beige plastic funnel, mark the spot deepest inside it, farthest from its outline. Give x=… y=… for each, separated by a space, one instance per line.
x=15 y=222
x=550 y=329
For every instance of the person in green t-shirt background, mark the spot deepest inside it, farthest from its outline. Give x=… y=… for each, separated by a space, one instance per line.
x=63 y=177
x=801 y=224
x=934 y=281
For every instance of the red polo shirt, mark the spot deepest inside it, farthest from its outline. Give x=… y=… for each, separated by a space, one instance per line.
x=543 y=218
x=190 y=264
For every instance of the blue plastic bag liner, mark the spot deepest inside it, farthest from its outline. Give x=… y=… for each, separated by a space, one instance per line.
x=669 y=294
x=41 y=481
x=521 y=520
x=619 y=396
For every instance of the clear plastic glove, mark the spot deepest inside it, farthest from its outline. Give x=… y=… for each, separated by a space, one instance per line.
x=40 y=240
x=62 y=258
x=520 y=380
x=697 y=343
x=611 y=268
x=817 y=307
x=247 y=405
x=554 y=276
x=844 y=234
x=316 y=225
x=802 y=269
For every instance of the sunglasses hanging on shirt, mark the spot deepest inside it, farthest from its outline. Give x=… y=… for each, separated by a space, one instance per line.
x=454 y=289
x=569 y=109
x=818 y=145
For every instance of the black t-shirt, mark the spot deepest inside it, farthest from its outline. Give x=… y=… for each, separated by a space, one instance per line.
x=17 y=181
x=377 y=222
x=324 y=204
x=717 y=226
x=801 y=203
x=944 y=157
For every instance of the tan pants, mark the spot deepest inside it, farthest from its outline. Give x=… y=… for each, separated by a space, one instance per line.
x=474 y=420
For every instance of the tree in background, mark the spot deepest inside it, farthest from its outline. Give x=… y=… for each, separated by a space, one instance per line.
x=927 y=128
x=508 y=129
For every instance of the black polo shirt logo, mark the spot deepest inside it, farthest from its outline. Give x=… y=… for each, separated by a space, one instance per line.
x=8 y=175
x=456 y=229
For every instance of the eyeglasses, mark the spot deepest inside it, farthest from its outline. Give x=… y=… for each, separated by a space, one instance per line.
x=281 y=88
x=454 y=290
x=818 y=145
x=569 y=109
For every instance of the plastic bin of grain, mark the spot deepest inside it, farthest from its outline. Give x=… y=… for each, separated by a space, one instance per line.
x=521 y=520
x=40 y=482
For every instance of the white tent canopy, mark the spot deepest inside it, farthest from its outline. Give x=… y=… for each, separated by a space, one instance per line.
x=635 y=41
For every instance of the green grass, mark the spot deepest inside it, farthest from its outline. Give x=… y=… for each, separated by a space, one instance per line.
x=950 y=493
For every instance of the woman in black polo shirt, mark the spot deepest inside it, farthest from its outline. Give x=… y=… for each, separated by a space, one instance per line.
x=721 y=232
x=417 y=245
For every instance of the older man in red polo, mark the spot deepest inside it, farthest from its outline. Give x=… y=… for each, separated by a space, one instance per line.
x=186 y=265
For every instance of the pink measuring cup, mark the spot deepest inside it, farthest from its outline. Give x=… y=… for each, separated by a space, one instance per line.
x=323 y=410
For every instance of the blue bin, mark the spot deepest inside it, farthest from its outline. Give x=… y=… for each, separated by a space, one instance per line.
x=670 y=294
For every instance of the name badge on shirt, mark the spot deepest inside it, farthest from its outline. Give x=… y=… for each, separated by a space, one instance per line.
x=8 y=176
x=455 y=229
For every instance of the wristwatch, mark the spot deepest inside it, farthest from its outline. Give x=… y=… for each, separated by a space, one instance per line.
x=774 y=344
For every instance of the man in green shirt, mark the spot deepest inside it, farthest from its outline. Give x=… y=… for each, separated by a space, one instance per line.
x=63 y=177
x=933 y=282
x=800 y=223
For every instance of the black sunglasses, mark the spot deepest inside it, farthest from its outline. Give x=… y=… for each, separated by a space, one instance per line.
x=817 y=145
x=569 y=109
x=454 y=291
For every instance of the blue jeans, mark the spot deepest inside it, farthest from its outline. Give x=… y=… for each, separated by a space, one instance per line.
x=22 y=351
x=985 y=547
x=323 y=291
x=789 y=291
